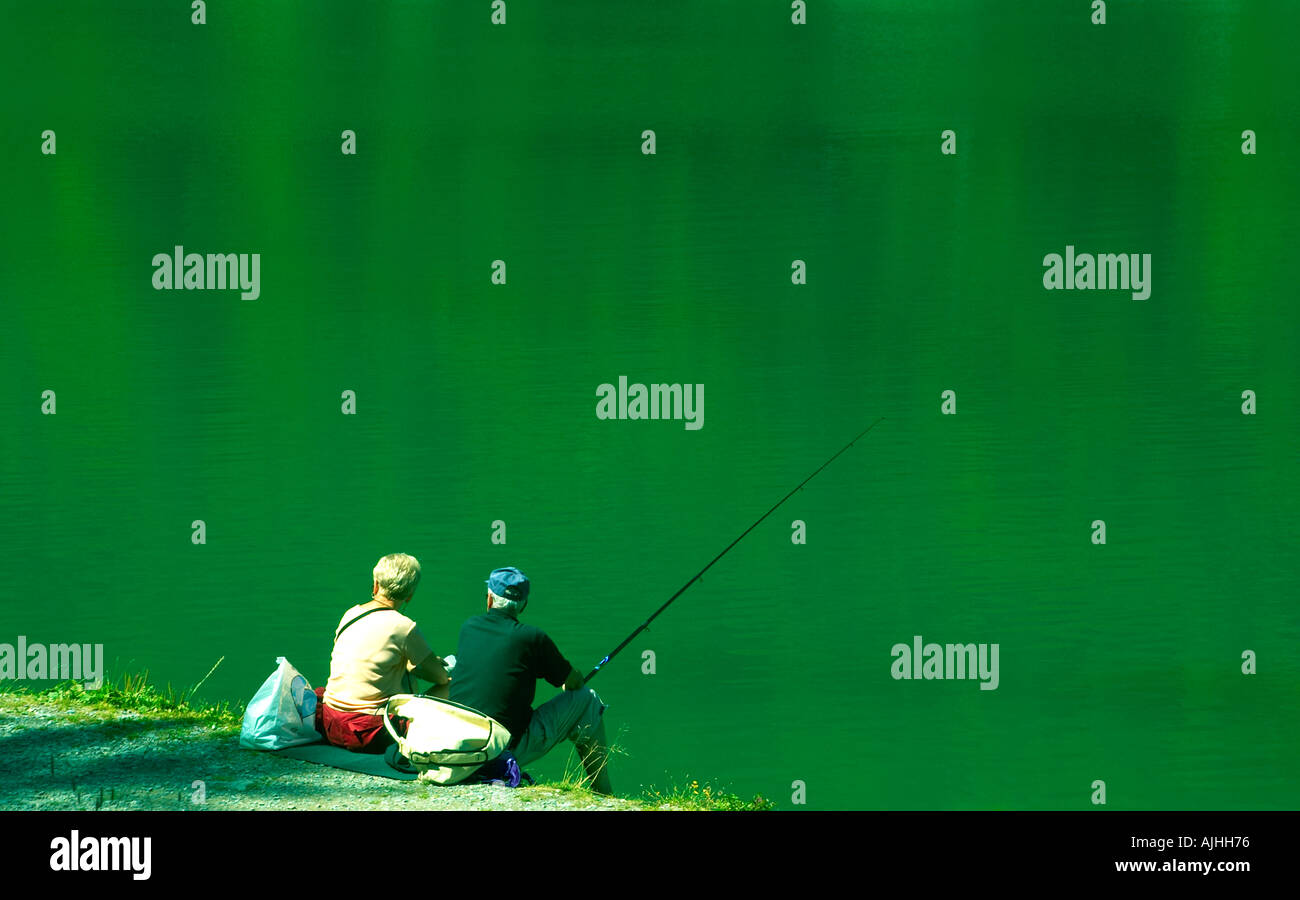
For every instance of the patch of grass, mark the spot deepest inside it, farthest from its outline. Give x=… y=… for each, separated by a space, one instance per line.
x=690 y=796
x=132 y=692
x=696 y=796
x=575 y=781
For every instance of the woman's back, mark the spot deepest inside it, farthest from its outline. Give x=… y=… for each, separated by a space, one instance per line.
x=372 y=657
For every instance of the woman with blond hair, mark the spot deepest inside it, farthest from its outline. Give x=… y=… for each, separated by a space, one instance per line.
x=376 y=651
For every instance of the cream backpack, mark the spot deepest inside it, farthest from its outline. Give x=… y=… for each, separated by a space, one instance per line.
x=446 y=741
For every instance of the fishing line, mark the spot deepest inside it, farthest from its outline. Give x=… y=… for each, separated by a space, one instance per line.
x=646 y=624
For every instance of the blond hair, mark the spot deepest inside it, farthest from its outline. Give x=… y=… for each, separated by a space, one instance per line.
x=398 y=575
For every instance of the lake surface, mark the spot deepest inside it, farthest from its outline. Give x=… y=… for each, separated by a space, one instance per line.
x=475 y=401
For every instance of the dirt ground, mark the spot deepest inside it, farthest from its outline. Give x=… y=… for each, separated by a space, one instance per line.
x=52 y=758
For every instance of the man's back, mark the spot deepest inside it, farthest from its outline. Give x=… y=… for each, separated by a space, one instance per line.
x=498 y=662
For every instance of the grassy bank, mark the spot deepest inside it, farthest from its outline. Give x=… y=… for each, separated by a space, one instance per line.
x=132 y=745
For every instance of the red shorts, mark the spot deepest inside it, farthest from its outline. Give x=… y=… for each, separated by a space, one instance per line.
x=352 y=731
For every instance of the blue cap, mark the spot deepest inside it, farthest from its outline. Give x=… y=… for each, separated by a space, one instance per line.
x=508 y=583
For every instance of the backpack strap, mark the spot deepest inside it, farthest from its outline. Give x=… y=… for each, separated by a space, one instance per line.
x=408 y=684
x=357 y=619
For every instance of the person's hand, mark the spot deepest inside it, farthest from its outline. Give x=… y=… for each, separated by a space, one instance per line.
x=574 y=681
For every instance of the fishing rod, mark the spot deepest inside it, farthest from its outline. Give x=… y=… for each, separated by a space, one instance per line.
x=696 y=577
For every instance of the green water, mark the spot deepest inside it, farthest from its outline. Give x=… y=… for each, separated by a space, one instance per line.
x=476 y=402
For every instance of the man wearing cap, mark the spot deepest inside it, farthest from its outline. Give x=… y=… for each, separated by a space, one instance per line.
x=498 y=663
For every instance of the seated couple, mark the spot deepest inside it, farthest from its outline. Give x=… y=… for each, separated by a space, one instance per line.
x=499 y=660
